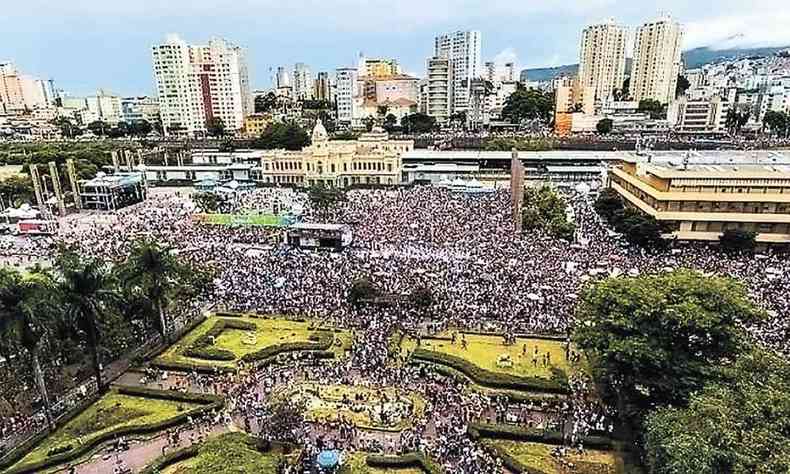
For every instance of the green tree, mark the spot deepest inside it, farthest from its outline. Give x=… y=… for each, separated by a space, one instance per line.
x=738 y=425
x=155 y=273
x=287 y=136
x=528 y=104
x=26 y=315
x=369 y=122
x=654 y=340
x=738 y=240
x=215 y=127
x=361 y=289
x=422 y=297
x=390 y=122
x=609 y=204
x=640 y=229
x=604 y=126
x=652 y=107
x=777 y=122
x=546 y=210
x=98 y=128
x=89 y=296
x=323 y=199
x=16 y=189
x=418 y=123
x=682 y=86
x=140 y=128
x=265 y=103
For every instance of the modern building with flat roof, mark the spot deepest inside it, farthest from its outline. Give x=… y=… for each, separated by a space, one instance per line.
x=699 y=195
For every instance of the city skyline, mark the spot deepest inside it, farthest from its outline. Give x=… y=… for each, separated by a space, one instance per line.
x=112 y=49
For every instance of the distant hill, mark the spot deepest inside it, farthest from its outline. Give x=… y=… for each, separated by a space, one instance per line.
x=693 y=58
x=698 y=57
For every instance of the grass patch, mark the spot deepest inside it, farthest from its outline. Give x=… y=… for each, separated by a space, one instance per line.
x=362 y=406
x=484 y=351
x=237 y=338
x=230 y=452
x=111 y=412
x=539 y=458
x=356 y=464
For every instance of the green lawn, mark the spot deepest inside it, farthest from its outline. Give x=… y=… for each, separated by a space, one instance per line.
x=111 y=411
x=325 y=403
x=355 y=464
x=229 y=453
x=538 y=456
x=269 y=332
x=485 y=352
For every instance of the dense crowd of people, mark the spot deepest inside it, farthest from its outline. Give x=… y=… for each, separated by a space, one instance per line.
x=482 y=276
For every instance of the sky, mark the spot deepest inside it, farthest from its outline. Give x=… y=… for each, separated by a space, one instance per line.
x=85 y=45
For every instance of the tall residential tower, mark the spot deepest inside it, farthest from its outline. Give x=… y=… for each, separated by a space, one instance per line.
x=198 y=83
x=602 y=58
x=657 y=50
x=462 y=48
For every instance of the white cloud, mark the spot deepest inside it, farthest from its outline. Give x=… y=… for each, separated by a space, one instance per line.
x=755 y=30
x=507 y=55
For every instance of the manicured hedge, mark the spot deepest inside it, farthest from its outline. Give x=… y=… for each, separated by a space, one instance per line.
x=536 y=435
x=485 y=378
x=322 y=346
x=210 y=402
x=409 y=460
x=204 y=348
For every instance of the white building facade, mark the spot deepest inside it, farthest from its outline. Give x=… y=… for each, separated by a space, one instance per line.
x=462 y=48
x=346 y=79
x=196 y=84
x=657 y=61
x=602 y=58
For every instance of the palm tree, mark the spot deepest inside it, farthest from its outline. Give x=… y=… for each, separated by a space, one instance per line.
x=88 y=295
x=155 y=274
x=26 y=310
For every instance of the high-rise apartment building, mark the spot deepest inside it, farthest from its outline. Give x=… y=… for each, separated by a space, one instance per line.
x=323 y=87
x=462 y=48
x=602 y=58
x=346 y=90
x=303 y=82
x=657 y=61
x=439 y=95
x=19 y=91
x=198 y=83
x=377 y=68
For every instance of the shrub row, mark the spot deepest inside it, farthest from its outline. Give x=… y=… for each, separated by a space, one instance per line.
x=203 y=347
x=80 y=450
x=536 y=435
x=167 y=364
x=323 y=344
x=557 y=384
x=409 y=460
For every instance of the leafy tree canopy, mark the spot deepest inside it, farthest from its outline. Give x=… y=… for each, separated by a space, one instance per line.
x=653 y=340
x=287 y=136
x=528 y=104
x=738 y=425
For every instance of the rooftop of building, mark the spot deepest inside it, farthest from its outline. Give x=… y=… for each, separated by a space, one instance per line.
x=712 y=164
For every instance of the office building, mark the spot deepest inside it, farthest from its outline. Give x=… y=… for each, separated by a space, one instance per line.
x=196 y=84
x=439 y=95
x=256 y=124
x=134 y=109
x=302 y=82
x=104 y=106
x=699 y=195
x=657 y=61
x=346 y=91
x=462 y=49
x=282 y=78
x=701 y=115
x=377 y=68
x=602 y=59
